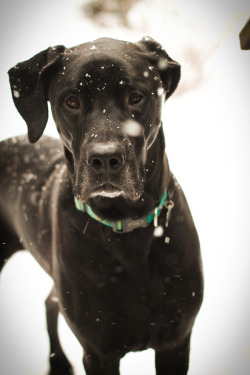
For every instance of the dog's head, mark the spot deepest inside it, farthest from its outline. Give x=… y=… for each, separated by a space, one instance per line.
x=106 y=101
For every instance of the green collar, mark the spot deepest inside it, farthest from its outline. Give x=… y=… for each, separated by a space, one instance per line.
x=126 y=225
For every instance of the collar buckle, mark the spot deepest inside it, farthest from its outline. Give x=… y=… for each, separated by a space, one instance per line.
x=128 y=225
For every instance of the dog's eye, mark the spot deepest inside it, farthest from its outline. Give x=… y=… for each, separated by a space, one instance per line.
x=73 y=102
x=135 y=98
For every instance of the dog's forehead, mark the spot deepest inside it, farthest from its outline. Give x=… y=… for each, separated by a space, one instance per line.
x=106 y=56
x=107 y=62
x=106 y=46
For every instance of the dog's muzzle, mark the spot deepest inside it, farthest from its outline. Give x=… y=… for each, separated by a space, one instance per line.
x=106 y=161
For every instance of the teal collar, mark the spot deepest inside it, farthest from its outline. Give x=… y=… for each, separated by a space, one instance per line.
x=126 y=225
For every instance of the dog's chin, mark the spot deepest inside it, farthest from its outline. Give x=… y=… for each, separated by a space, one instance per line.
x=110 y=192
x=106 y=191
x=107 y=194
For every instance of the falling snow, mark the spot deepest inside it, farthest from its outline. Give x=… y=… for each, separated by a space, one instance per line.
x=132 y=128
x=16 y=93
x=212 y=33
x=158 y=231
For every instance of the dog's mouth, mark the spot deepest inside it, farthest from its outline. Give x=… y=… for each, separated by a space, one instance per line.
x=127 y=185
x=107 y=191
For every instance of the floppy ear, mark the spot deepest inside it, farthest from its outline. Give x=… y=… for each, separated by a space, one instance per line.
x=29 y=87
x=170 y=70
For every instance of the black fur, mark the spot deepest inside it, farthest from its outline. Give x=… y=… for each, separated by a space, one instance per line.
x=119 y=292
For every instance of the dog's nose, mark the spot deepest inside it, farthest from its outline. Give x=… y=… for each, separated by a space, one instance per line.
x=103 y=158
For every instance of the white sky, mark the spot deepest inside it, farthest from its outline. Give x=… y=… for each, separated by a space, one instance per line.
x=207 y=140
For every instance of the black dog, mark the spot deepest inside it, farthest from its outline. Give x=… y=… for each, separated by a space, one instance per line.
x=111 y=226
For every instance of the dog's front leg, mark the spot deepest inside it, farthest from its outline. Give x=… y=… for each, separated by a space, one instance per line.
x=100 y=365
x=173 y=361
x=59 y=365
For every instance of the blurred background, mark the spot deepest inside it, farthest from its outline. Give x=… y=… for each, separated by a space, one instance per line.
x=206 y=125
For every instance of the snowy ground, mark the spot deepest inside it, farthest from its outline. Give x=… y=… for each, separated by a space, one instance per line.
x=208 y=140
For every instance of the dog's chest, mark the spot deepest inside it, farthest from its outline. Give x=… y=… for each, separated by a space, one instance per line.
x=126 y=286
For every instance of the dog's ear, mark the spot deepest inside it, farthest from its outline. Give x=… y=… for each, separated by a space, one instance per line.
x=170 y=70
x=29 y=86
